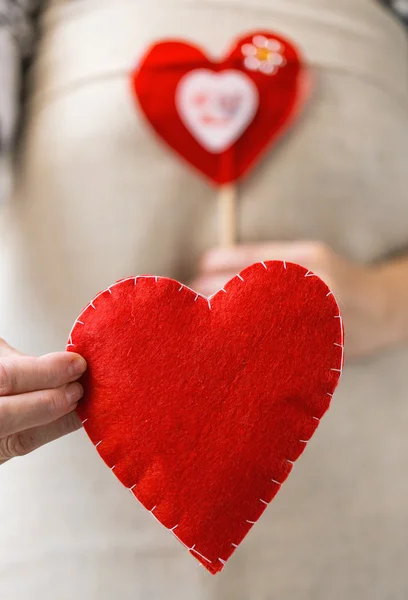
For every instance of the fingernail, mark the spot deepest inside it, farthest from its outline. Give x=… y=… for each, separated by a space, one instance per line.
x=77 y=366
x=74 y=392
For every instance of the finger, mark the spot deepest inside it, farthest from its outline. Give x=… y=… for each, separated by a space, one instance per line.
x=207 y=285
x=25 y=374
x=237 y=258
x=37 y=408
x=25 y=442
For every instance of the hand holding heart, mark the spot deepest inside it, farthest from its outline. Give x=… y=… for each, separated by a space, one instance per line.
x=38 y=397
x=361 y=291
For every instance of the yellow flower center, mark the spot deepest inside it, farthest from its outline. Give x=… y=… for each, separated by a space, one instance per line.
x=262 y=54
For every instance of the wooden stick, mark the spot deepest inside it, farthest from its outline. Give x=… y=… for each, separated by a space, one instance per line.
x=228 y=217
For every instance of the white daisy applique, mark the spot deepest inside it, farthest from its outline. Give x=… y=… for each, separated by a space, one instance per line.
x=264 y=55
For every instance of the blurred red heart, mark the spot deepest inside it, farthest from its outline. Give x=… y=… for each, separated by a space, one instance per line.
x=200 y=407
x=221 y=116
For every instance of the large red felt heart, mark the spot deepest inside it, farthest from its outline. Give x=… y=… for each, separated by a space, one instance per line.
x=200 y=406
x=222 y=115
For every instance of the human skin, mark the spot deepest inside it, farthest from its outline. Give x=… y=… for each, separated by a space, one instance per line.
x=38 y=397
x=373 y=299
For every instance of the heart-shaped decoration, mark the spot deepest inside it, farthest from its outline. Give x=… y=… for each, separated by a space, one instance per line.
x=221 y=116
x=201 y=406
x=217 y=117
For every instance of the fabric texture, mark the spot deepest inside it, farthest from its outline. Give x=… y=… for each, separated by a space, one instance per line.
x=399 y=7
x=200 y=407
x=17 y=43
x=280 y=78
x=101 y=199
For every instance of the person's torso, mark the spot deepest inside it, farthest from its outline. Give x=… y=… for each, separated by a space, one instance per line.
x=103 y=198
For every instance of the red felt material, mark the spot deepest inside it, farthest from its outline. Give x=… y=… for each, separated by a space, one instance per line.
x=282 y=95
x=200 y=406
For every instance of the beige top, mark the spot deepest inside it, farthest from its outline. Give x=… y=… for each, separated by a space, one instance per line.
x=101 y=199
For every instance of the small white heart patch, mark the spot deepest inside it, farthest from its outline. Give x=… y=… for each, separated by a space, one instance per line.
x=216 y=107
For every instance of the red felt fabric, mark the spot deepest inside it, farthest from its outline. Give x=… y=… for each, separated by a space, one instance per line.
x=281 y=98
x=200 y=407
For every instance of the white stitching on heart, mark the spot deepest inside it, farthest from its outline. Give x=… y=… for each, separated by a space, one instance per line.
x=158 y=520
x=182 y=287
x=193 y=549
x=181 y=541
x=342 y=354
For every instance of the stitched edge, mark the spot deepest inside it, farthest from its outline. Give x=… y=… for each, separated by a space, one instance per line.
x=339 y=344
